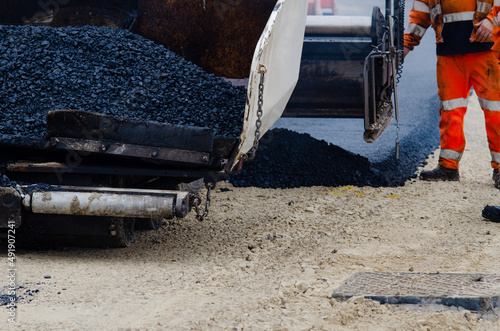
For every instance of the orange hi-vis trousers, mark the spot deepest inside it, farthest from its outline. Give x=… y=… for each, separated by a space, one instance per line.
x=455 y=75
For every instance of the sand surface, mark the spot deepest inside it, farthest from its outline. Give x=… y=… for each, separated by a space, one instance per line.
x=269 y=259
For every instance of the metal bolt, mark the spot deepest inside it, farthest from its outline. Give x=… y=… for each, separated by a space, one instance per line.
x=205 y=159
x=103 y=148
x=154 y=153
x=223 y=163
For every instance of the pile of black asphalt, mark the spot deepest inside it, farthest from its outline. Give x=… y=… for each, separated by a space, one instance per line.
x=287 y=159
x=108 y=71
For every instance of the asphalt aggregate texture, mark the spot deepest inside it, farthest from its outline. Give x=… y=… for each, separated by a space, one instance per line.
x=108 y=71
x=288 y=159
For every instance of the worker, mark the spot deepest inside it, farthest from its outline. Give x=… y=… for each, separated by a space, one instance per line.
x=464 y=59
x=321 y=7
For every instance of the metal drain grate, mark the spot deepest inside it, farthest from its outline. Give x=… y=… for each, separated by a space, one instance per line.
x=475 y=292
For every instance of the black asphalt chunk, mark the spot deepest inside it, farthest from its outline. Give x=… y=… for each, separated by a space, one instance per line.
x=6 y=182
x=5 y=299
x=492 y=213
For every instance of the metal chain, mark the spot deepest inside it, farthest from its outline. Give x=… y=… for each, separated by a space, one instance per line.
x=258 y=123
x=393 y=56
x=400 y=20
x=392 y=61
x=196 y=202
x=397 y=140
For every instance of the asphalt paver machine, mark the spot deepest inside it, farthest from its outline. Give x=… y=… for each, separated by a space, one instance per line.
x=100 y=177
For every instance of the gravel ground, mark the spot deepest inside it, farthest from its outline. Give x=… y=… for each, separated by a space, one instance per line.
x=269 y=259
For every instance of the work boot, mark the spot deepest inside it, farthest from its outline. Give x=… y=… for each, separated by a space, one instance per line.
x=440 y=173
x=496 y=178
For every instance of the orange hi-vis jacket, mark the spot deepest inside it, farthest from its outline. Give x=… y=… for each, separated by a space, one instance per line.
x=429 y=12
x=496 y=26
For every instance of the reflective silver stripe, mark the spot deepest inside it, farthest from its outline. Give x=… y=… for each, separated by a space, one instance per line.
x=454 y=103
x=416 y=29
x=489 y=105
x=483 y=7
x=458 y=17
x=435 y=11
x=420 y=6
x=495 y=21
x=495 y=157
x=450 y=155
x=496 y=3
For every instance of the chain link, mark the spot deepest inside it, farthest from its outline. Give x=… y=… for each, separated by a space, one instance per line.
x=401 y=32
x=260 y=111
x=196 y=202
x=399 y=56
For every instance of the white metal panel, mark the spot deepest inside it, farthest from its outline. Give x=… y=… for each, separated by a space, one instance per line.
x=279 y=49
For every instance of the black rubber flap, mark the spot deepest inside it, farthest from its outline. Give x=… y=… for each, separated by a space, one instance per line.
x=475 y=292
x=91 y=126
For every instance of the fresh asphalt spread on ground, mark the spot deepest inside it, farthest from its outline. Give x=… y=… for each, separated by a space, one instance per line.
x=343 y=157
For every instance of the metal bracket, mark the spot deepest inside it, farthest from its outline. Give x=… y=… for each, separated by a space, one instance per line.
x=85 y=147
x=10 y=208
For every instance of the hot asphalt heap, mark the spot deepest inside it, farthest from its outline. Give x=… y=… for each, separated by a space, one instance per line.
x=109 y=71
x=116 y=72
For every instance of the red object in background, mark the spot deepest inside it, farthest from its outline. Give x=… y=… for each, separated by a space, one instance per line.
x=321 y=7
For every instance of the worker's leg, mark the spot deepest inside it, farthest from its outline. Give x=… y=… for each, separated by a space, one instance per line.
x=485 y=77
x=454 y=90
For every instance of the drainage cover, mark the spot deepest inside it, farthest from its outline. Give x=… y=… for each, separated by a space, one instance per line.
x=475 y=292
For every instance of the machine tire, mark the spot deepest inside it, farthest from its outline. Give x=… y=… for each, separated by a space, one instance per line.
x=121 y=232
